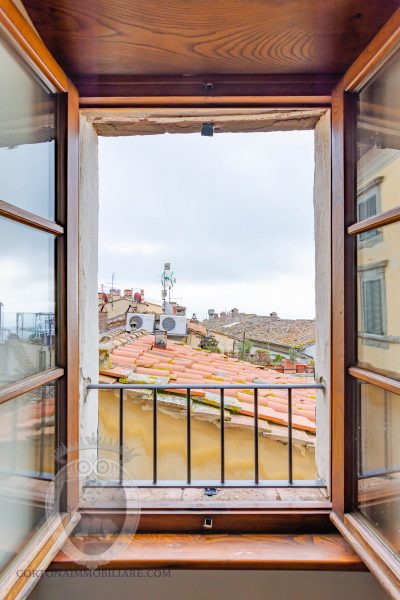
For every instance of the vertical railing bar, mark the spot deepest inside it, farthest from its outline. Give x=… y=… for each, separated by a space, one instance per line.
x=222 y=436
x=154 y=436
x=121 y=435
x=188 y=438
x=256 y=475
x=290 y=436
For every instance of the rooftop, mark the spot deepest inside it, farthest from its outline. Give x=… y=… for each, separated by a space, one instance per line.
x=297 y=333
x=135 y=359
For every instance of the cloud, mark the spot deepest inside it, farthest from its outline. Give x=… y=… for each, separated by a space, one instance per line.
x=229 y=212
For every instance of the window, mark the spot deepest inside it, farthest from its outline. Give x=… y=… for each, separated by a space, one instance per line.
x=372 y=389
x=28 y=324
x=368 y=203
x=373 y=306
x=36 y=277
x=372 y=299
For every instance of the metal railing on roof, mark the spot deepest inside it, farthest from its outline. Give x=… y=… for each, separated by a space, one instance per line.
x=222 y=482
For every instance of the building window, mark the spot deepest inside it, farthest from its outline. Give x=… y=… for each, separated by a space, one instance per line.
x=373 y=300
x=373 y=318
x=368 y=205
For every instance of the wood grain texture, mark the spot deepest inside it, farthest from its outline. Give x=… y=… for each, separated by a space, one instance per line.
x=148 y=37
x=231 y=518
x=343 y=261
x=385 y=218
x=386 y=383
x=211 y=85
x=25 y=38
x=218 y=551
x=375 y=554
x=23 y=386
x=243 y=101
x=27 y=218
x=36 y=556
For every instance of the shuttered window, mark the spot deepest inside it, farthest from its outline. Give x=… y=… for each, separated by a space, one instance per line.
x=367 y=208
x=373 y=318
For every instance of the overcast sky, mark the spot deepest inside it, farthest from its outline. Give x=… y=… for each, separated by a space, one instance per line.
x=232 y=213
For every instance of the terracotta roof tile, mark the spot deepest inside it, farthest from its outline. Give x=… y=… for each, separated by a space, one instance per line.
x=183 y=364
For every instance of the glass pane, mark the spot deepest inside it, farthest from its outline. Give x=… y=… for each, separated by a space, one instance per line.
x=27 y=446
x=27 y=301
x=378 y=288
x=27 y=137
x=378 y=144
x=379 y=461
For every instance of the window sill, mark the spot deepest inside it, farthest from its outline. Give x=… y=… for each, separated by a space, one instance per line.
x=379 y=341
x=328 y=552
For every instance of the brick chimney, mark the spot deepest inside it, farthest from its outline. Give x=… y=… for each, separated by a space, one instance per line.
x=103 y=316
x=128 y=292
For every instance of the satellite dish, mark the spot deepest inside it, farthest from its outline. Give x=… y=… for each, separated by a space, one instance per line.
x=105 y=297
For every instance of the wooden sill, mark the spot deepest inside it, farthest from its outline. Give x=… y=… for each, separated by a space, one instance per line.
x=328 y=552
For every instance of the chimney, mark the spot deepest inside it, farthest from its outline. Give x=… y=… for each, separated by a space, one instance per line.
x=168 y=308
x=100 y=296
x=103 y=316
x=235 y=312
x=211 y=313
x=128 y=292
x=142 y=294
x=273 y=315
x=160 y=339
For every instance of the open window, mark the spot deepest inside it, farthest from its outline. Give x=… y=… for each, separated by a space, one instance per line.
x=366 y=505
x=37 y=301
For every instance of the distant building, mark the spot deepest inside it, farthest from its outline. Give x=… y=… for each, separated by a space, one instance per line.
x=276 y=335
x=113 y=309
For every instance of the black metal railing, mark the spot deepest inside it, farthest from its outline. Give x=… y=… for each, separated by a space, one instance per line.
x=222 y=482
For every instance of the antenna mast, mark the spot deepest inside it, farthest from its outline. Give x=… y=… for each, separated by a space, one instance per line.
x=168 y=281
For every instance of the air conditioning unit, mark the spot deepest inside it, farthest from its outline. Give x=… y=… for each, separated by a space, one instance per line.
x=173 y=324
x=137 y=321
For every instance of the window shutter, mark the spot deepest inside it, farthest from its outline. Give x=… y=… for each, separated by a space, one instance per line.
x=367 y=208
x=373 y=307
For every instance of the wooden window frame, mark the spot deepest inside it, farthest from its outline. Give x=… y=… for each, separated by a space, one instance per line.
x=41 y=548
x=343 y=263
x=354 y=527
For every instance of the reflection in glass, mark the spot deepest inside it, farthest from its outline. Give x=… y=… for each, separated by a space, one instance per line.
x=378 y=146
x=27 y=301
x=379 y=461
x=27 y=137
x=378 y=256
x=27 y=445
x=378 y=274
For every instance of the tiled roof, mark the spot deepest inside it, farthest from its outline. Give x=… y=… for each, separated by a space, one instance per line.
x=140 y=361
x=284 y=332
x=196 y=327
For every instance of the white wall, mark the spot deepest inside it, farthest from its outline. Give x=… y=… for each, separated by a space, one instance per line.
x=322 y=233
x=88 y=300
x=209 y=585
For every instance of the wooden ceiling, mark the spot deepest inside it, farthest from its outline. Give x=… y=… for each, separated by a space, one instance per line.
x=118 y=40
